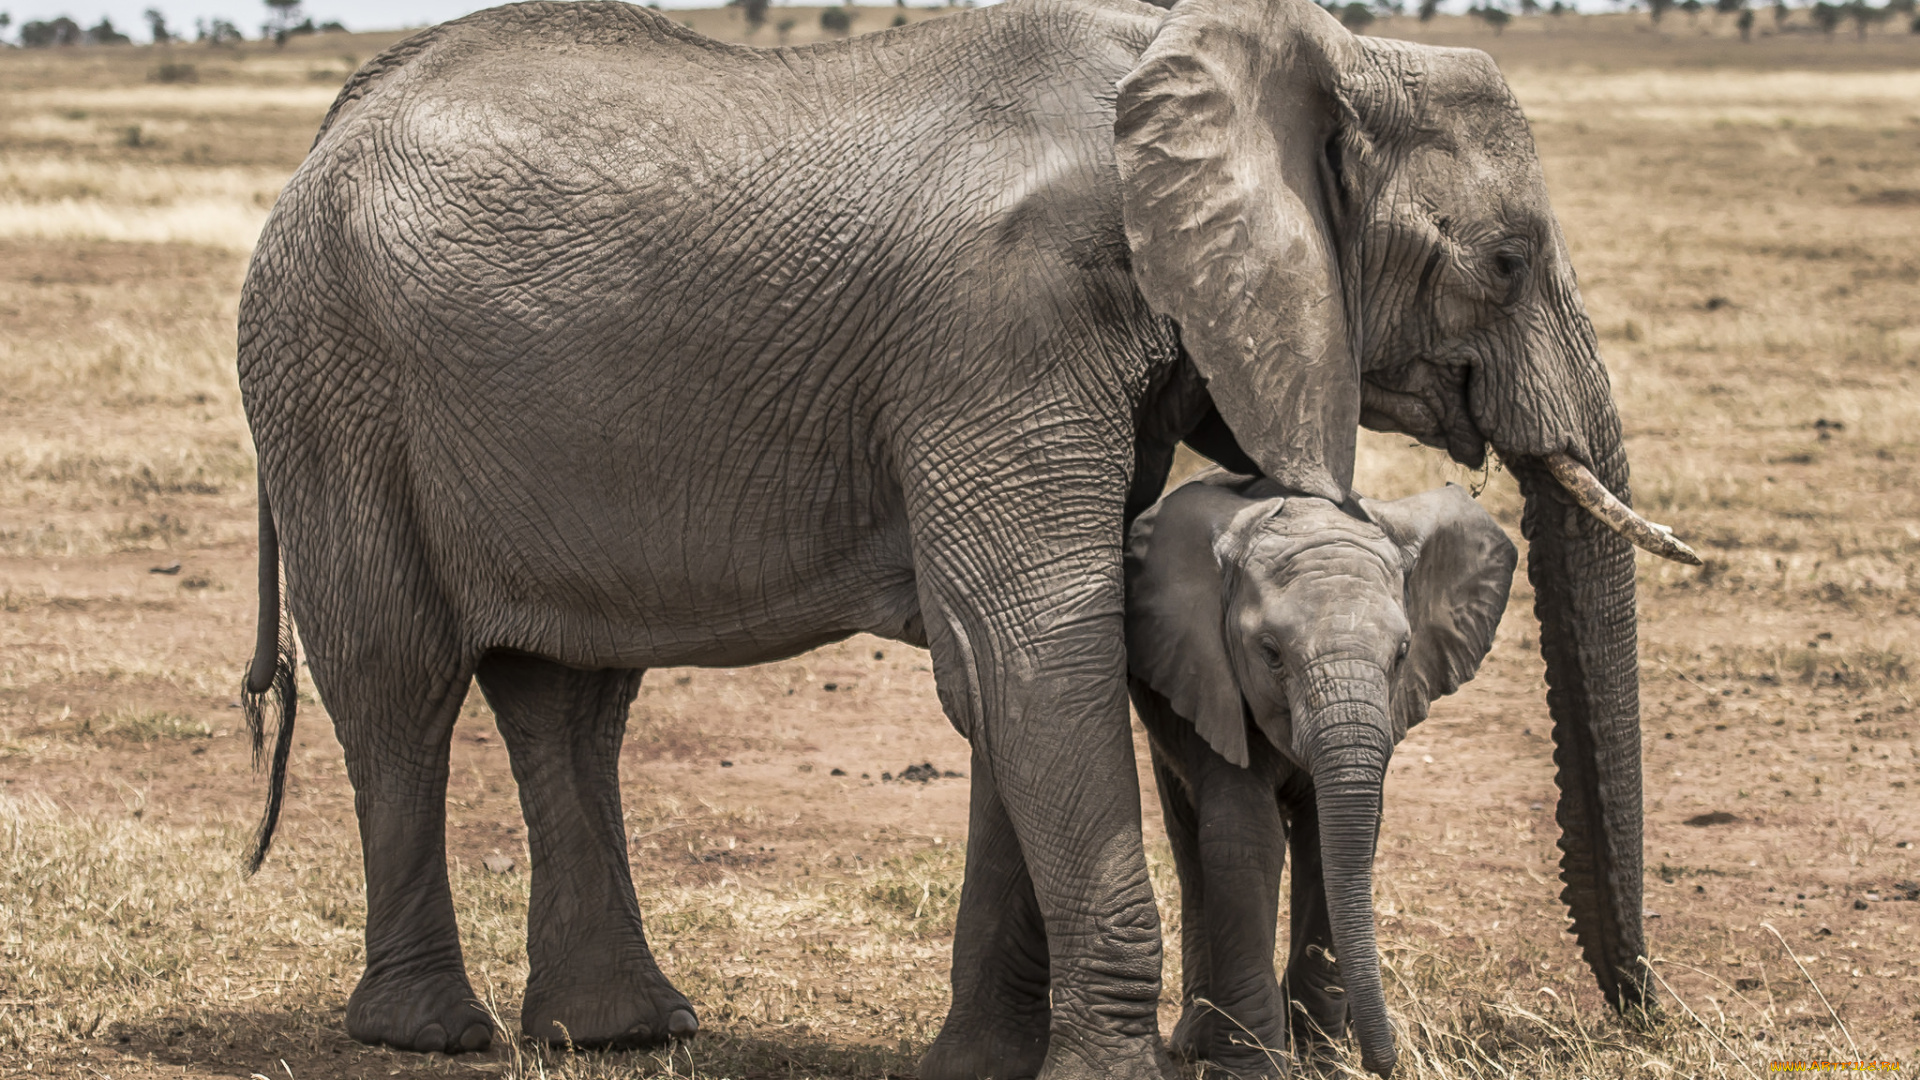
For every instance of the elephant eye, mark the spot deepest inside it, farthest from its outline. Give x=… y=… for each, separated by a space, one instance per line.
x=1511 y=266
x=1405 y=647
x=1270 y=653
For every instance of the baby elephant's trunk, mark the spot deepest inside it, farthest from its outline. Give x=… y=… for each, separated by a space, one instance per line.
x=1349 y=741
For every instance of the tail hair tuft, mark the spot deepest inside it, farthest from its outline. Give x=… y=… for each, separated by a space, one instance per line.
x=271 y=708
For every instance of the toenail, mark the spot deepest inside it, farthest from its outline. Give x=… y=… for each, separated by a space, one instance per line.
x=431 y=1038
x=476 y=1037
x=681 y=1024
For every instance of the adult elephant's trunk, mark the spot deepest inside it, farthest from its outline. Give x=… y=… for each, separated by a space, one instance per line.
x=1583 y=581
x=1348 y=744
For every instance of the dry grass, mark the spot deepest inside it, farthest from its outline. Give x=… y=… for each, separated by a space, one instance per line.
x=1744 y=223
x=141 y=933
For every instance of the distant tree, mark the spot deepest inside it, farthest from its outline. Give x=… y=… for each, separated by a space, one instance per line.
x=333 y=26
x=1428 y=9
x=1658 y=9
x=1558 y=9
x=105 y=34
x=835 y=20
x=1387 y=9
x=1496 y=17
x=6 y=19
x=217 y=32
x=1693 y=9
x=1864 y=16
x=1356 y=17
x=1529 y=7
x=900 y=18
x=157 y=26
x=755 y=12
x=1780 y=13
x=281 y=16
x=1894 y=7
x=1746 y=25
x=784 y=28
x=1914 y=26
x=1826 y=16
x=40 y=34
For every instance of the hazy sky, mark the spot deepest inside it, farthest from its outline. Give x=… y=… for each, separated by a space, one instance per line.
x=249 y=14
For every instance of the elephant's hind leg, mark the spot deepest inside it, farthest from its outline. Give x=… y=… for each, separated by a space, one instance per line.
x=592 y=980
x=394 y=710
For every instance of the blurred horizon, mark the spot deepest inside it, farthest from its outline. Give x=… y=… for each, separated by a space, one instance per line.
x=356 y=15
x=376 y=15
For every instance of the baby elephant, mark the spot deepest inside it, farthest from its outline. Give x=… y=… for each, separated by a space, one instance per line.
x=1279 y=647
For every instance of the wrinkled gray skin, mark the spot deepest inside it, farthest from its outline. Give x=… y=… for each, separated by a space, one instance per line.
x=1279 y=647
x=581 y=344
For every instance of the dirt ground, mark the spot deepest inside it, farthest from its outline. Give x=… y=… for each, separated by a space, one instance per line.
x=1746 y=221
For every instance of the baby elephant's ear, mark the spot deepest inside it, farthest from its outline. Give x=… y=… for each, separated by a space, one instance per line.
x=1176 y=613
x=1460 y=571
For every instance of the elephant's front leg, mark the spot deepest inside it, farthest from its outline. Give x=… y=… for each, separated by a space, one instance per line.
x=591 y=979
x=1241 y=844
x=997 y=1026
x=1047 y=715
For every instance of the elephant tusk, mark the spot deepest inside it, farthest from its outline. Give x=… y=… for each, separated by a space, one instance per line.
x=1593 y=497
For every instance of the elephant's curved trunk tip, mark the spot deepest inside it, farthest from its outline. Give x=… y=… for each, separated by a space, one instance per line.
x=1595 y=499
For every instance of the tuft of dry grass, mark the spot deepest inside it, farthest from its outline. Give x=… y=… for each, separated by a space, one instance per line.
x=143 y=932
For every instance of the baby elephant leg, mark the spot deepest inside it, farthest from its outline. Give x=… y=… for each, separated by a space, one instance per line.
x=1242 y=849
x=1193 y=1033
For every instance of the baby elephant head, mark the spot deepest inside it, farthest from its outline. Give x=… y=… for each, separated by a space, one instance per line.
x=1256 y=613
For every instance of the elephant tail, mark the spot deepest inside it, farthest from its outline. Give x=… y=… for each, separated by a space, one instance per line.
x=271 y=692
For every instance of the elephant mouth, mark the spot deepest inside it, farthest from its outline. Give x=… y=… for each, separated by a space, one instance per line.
x=1429 y=400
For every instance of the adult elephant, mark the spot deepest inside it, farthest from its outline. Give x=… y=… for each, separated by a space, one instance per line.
x=582 y=344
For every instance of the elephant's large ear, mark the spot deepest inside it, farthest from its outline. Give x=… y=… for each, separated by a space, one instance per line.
x=1176 y=610
x=1229 y=135
x=1461 y=569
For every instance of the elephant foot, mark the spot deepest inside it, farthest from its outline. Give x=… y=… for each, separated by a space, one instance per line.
x=608 y=1014
x=1224 y=1050
x=432 y=1013
x=979 y=1051
x=1194 y=1033
x=1138 y=1059
x=1256 y=1066
x=1317 y=1042
x=1243 y=1058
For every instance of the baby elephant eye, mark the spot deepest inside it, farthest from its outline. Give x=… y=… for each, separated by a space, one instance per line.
x=1270 y=653
x=1405 y=646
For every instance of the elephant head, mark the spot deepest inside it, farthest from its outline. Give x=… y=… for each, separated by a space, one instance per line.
x=1254 y=611
x=1356 y=231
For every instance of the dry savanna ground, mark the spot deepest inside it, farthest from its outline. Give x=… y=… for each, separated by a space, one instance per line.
x=1746 y=218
